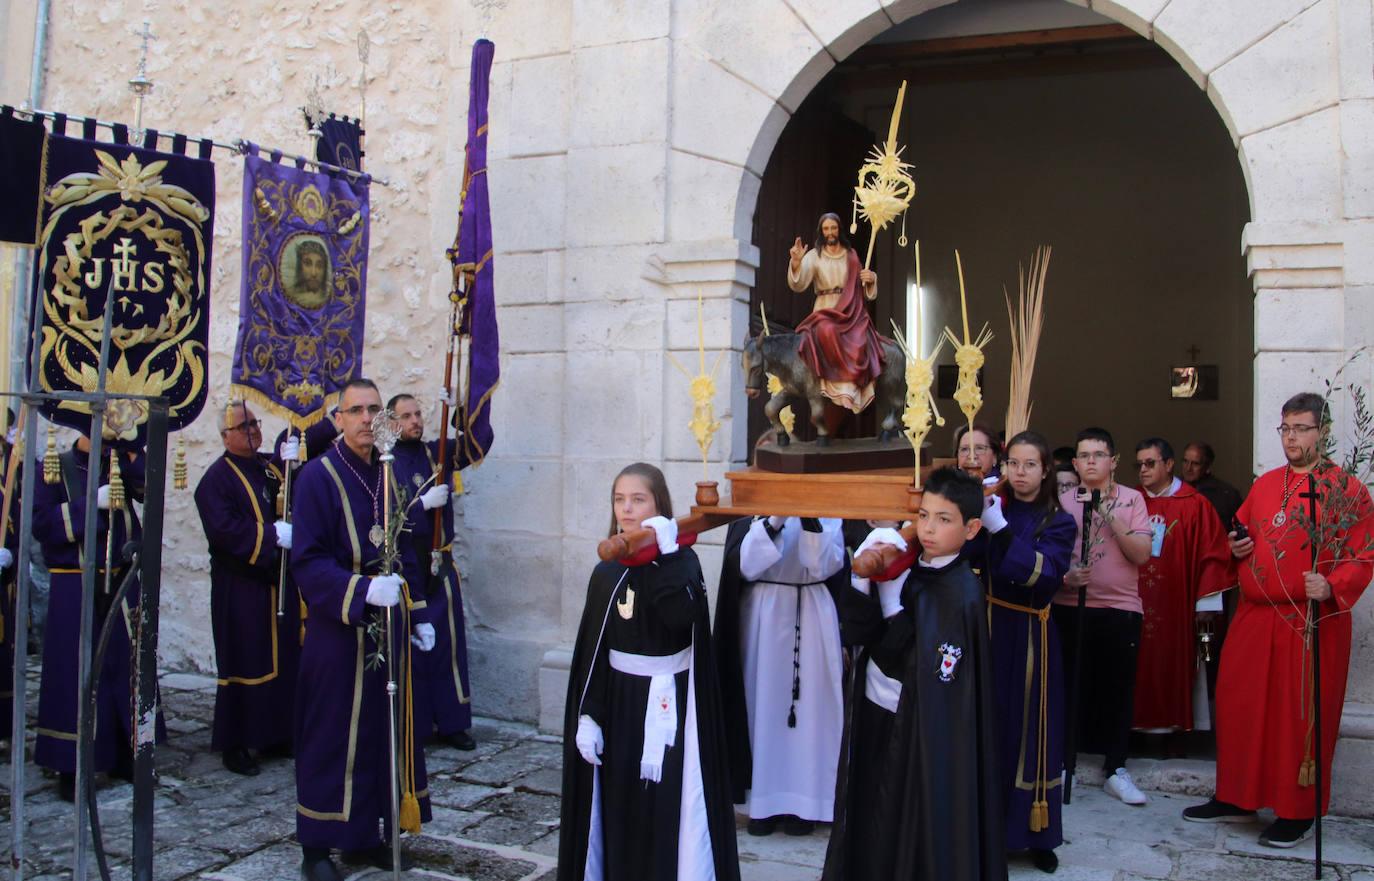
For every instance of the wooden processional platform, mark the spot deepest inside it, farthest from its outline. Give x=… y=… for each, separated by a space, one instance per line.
x=853 y=480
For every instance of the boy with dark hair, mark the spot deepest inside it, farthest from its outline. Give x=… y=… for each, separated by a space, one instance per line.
x=919 y=795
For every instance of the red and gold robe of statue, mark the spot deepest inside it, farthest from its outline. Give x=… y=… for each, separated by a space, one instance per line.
x=1194 y=562
x=1264 y=696
x=839 y=342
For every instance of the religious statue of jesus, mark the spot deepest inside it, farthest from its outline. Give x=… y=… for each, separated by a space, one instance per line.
x=838 y=340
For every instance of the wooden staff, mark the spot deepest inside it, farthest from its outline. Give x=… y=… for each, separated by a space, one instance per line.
x=442 y=478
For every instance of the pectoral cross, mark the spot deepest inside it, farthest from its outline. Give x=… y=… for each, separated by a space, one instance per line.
x=1192 y=353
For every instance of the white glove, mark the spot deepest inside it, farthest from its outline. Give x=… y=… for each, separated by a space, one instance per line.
x=6 y=558
x=991 y=481
x=883 y=535
x=434 y=497
x=448 y=397
x=102 y=497
x=665 y=530
x=290 y=449
x=993 y=518
x=384 y=590
x=283 y=534
x=589 y=740
x=11 y=435
x=776 y=523
x=423 y=638
x=861 y=584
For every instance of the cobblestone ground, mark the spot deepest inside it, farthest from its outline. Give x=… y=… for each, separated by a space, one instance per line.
x=496 y=817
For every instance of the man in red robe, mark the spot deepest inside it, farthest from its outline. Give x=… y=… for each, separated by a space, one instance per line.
x=1266 y=755
x=1189 y=566
x=838 y=340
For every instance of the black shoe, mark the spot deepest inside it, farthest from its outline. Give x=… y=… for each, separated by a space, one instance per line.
x=1286 y=833
x=281 y=750
x=459 y=740
x=1044 y=860
x=763 y=827
x=794 y=825
x=1215 y=811
x=378 y=857
x=241 y=761
x=66 y=786
x=320 y=869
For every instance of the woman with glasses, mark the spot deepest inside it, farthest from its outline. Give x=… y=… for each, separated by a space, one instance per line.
x=1029 y=546
x=978 y=450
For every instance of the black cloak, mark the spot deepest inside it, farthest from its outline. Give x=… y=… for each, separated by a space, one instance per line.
x=682 y=567
x=919 y=791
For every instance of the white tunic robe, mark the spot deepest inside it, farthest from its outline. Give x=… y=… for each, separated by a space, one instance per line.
x=794 y=768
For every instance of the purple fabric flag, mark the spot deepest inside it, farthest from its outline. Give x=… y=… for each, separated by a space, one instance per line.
x=131 y=227
x=472 y=257
x=300 y=336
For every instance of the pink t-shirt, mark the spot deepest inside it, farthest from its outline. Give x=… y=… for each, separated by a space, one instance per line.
x=1115 y=583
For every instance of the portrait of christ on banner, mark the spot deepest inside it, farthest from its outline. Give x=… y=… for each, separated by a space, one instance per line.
x=304 y=272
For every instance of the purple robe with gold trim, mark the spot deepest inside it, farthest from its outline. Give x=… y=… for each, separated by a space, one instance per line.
x=442 y=697
x=59 y=524
x=342 y=763
x=256 y=650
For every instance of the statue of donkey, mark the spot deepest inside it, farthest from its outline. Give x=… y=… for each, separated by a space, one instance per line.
x=777 y=354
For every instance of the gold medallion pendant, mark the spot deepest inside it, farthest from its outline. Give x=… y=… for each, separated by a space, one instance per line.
x=376 y=535
x=626 y=607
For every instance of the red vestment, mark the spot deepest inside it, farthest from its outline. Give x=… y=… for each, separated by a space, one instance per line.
x=1194 y=562
x=1264 y=693
x=841 y=344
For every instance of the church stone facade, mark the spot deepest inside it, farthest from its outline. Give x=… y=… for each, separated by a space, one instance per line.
x=628 y=142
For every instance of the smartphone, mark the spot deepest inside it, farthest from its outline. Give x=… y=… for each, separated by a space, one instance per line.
x=1238 y=529
x=1088 y=496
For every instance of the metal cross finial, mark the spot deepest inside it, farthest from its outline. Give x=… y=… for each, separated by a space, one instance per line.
x=486 y=6
x=385 y=431
x=140 y=85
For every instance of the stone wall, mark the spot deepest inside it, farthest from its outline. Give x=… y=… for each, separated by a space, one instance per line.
x=627 y=144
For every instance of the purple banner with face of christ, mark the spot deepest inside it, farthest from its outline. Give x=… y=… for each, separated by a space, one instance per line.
x=300 y=335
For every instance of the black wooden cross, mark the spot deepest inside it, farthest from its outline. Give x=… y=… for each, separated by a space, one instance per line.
x=1315 y=622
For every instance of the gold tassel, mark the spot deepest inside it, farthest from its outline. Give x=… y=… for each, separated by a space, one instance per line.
x=1307 y=772
x=52 y=465
x=457 y=482
x=116 y=484
x=409 y=821
x=1039 y=816
x=179 y=467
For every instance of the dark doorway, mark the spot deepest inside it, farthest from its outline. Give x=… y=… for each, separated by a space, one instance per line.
x=1088 y=139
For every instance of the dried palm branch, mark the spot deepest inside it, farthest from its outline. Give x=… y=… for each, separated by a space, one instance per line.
x=1026 y=322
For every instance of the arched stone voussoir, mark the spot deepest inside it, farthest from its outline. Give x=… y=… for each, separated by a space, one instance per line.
x=1202 y=35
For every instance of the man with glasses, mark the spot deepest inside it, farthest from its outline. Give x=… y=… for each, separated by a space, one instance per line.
x=256 y=649
x=1118 y=542
x=443 y=699
x=1265 y=751
x=343 y=765
x=1189 y=566
x=1197 y=470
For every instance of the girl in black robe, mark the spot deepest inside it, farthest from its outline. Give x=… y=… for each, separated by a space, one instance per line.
x=643 y=669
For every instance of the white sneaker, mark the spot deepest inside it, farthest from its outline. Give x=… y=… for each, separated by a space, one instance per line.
x=1123 y=787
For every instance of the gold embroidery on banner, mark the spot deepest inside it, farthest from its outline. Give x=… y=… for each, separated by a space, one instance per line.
x=318 y=343
x=72 y=334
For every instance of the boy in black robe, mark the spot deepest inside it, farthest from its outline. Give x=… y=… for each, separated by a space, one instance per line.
x=918 y=795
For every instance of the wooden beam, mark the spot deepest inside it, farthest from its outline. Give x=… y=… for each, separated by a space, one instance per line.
x=896 y=53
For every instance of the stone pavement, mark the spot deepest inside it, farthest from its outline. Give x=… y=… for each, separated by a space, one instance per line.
x=496 y=817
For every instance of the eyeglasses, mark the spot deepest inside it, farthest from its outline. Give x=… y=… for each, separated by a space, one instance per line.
x=1095 y=455
x=1294 y=430
x=979 y=449
x=1022 y=465
x=246 y=427
x=1146 y=463
x=360 y=409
